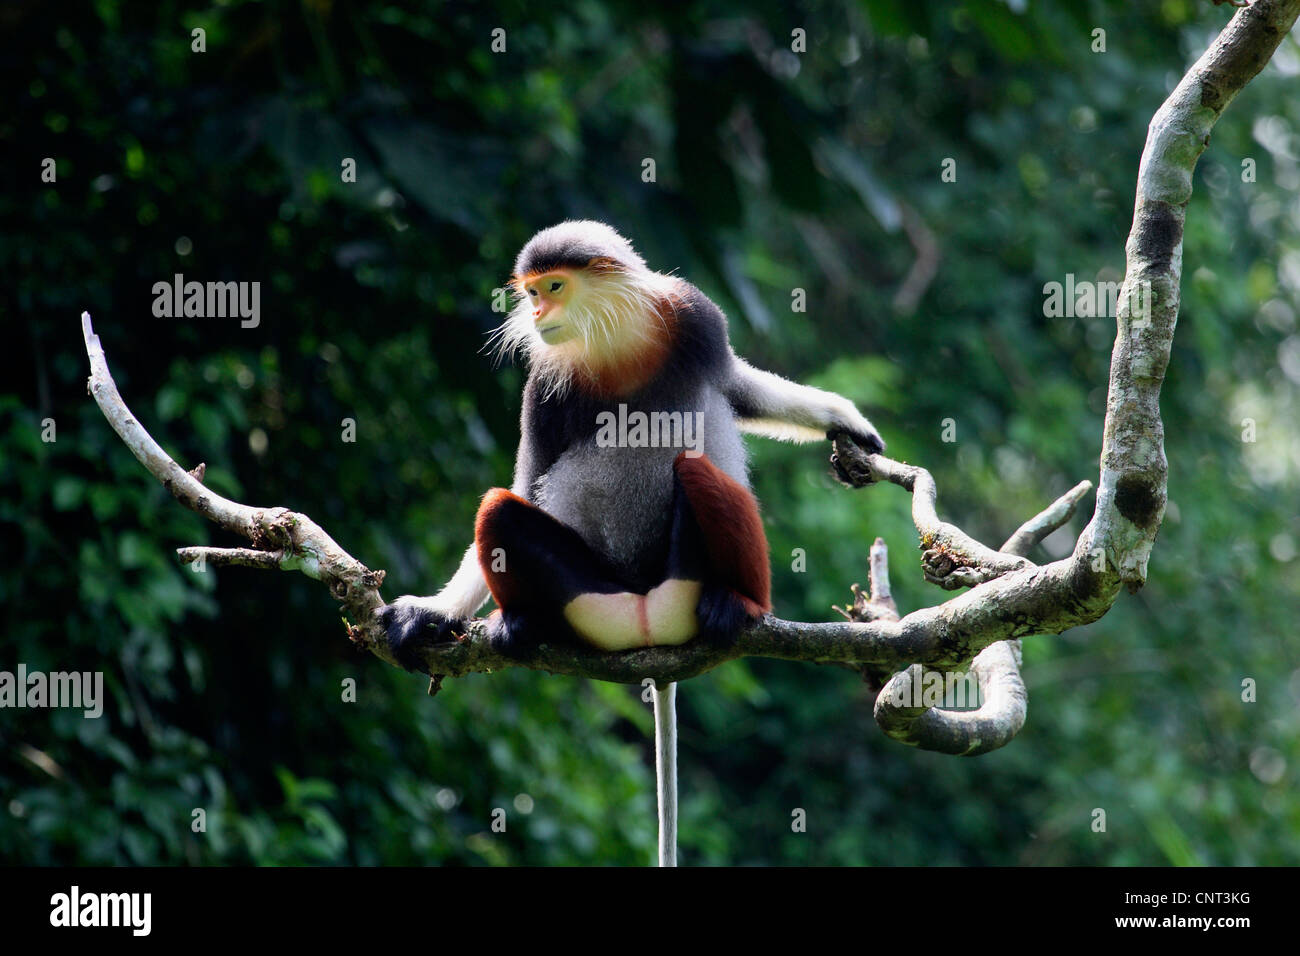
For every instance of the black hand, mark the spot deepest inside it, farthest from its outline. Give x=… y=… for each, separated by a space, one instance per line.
x=847 y=467
x=412 y=627
x=870 y=442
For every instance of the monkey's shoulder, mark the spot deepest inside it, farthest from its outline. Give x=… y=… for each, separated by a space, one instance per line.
x=701 y=342
x=697 y=310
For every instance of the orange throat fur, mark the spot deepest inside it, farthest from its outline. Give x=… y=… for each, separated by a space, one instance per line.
x=627 y=369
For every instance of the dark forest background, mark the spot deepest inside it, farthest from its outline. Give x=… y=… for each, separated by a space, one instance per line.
x=775 y=171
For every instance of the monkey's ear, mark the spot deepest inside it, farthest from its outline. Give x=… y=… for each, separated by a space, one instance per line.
x=603 y=264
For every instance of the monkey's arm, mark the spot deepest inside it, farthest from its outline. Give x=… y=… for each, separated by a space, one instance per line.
x=767 y=404
x=464 y=593
x=412 y=619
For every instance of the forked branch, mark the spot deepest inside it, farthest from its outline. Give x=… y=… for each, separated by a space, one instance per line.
x=293 y=542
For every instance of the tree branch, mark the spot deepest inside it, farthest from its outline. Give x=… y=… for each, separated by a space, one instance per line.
x=281 y=538
x=1131 y=494
x=951 y=558
x=996 y=669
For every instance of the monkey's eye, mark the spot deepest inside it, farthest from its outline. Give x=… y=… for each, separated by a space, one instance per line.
x=533 y=293
x=556 y=286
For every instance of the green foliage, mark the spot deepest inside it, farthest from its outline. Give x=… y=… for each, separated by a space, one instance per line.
x=225 y=691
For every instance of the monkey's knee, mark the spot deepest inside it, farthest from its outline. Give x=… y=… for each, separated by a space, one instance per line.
x=496 y=528
x=533 y=561
x=727 y=514
x=500 y=511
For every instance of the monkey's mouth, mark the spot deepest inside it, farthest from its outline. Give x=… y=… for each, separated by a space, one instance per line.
x=551 y=332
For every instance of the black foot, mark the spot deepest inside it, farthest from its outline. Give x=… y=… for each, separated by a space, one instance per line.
x=721 y=616
x=517 y=635
x=411 y=626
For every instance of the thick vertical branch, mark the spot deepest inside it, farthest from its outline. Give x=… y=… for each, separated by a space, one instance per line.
x=1132 y=492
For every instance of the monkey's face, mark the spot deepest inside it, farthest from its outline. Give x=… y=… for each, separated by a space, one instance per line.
x=589 y=317
x=550 y=296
